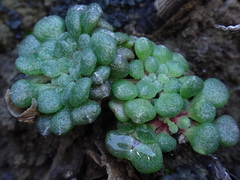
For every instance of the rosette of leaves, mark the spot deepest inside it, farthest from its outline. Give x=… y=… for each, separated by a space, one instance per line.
x=72 y=64
x=139 y=144
x=161 y=95
x=67 y=63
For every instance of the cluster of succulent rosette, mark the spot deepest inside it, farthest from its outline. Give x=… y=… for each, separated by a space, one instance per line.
x=71 y=65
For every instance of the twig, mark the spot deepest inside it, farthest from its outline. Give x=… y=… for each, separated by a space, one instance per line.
x=228 y=28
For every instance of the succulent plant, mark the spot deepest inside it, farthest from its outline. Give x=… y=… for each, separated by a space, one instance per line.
x=72 y=64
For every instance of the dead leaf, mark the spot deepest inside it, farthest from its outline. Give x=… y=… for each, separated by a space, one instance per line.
x=26 y=115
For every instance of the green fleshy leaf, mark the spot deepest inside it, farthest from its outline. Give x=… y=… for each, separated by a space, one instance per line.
x=151 y=64
x=88 y=62
x=162 y=69
x=104 y=46
x=162 y=78
x=80 y=92
x=173 y=85
x=172 y=127
x=77 y=55
x=126 y=127
x=100 y=75
x=175 y=68
x=84 y=41
x=121 y=37
x=29 y=45
x=157 y=85
x=126 y=53
x=167 y=143
x=105 y=31
x=144 y=134
x=136 y=69
x=66 y=93
x=124 y=90
x=102 y=23
x=139 y=110
x=119 y=67
x=51 y=68
x=22 y=92
x=202 y=111
x=49 y=101
x=63 y=64
x=75 y=71
x=117 y=108
x=191 y=86
x=147 y=158
x=183 y=122
x=162 y=53
x=130 y=43
x=91 y=17
x=86 y=113
x=63 y=80
x=146 y=89
x=152 y=77
x=119 y=144
x=204 y=138
x=61 y=123
x=181 y=59
x=215 y=92
x=169 y=105
x=50 y=27
x=143 y=48
x=47 y=50
x=228 y=130
x=73 y=20
x=29 y=64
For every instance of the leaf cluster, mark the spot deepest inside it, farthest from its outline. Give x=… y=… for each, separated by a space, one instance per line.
x=72 y=64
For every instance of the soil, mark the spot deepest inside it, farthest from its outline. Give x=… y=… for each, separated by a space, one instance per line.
x=187 y=27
